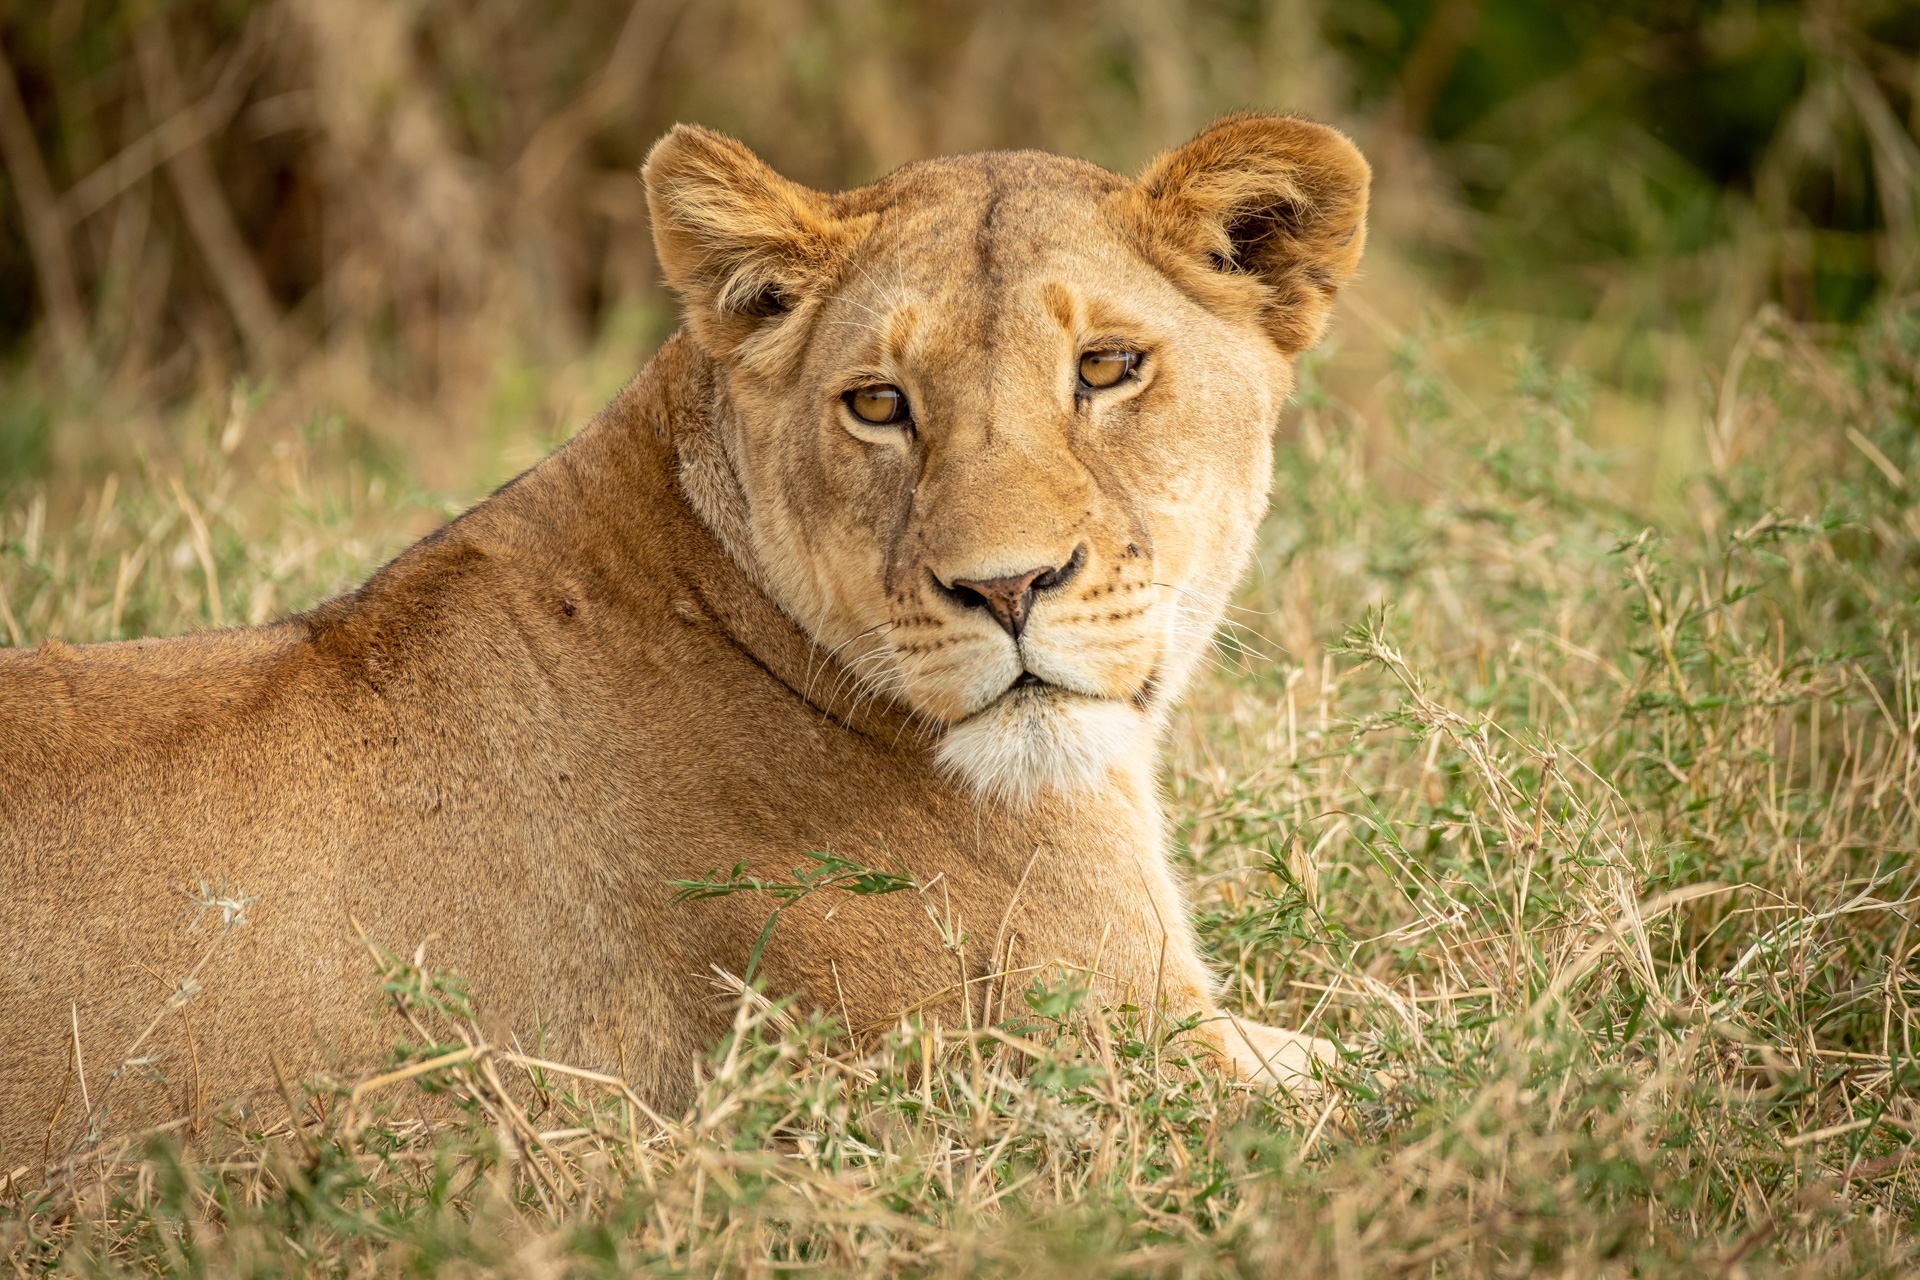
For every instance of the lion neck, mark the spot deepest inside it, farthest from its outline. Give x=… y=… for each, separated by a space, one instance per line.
x=705 y=444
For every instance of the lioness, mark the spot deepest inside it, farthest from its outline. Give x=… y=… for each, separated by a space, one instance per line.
x=900 y=549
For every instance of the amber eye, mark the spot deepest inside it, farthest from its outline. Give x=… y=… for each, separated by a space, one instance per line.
x=1106 y=368
x=881 y=404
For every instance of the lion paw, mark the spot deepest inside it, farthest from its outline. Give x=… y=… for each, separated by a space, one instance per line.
x=1269 y=1055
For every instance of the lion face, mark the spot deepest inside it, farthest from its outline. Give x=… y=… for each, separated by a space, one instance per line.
x=998 y=427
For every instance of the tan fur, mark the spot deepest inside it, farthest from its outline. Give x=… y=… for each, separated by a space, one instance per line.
x=712 y=629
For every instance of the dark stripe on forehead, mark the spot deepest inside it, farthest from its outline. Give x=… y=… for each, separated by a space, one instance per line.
x=992 y=268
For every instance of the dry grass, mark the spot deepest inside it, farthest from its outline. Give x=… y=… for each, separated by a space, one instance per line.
x=1587 y=821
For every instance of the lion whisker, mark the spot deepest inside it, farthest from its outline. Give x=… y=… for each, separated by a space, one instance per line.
x=833 y=654
x=885 y=679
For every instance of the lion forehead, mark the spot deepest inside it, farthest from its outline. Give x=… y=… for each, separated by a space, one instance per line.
x=1004 y=182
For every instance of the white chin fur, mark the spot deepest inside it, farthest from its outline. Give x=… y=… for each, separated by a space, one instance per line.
x=1031 y=741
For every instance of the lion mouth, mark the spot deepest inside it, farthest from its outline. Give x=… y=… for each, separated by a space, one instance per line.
x=1029 y=689
x=1028 y=694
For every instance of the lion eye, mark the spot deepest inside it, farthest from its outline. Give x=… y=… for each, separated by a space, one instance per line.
x=880 y=404
x=1105 y=368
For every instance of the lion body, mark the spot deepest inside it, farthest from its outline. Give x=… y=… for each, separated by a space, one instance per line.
x=652 y=657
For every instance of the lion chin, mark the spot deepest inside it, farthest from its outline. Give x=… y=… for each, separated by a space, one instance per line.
x=1038 y=739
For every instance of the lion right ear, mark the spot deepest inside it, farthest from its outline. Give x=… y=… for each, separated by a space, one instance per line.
x=740 y=244
x=1261 y=214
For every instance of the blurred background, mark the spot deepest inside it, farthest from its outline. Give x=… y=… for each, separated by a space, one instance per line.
x=408 y=239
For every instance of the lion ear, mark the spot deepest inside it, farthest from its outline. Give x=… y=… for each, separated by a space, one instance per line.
x=740 y=244
x=1274 y=202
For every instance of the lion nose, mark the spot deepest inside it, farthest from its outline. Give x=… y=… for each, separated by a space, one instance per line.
x=1010 y=599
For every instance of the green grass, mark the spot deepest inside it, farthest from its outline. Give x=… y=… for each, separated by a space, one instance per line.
x=1581 y=807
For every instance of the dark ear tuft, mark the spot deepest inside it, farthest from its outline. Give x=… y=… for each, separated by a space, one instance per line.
x=765 y=304
x=1254 y=234
x=738 y=242
x=1273 y=202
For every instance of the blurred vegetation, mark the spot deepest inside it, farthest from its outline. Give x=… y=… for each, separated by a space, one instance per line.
x=1651 y=158
x=396 y=203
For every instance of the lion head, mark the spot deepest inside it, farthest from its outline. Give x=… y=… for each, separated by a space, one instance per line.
x=996 y=430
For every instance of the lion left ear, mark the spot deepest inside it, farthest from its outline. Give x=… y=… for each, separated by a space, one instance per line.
x=1264 y=211
x=740 y=244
